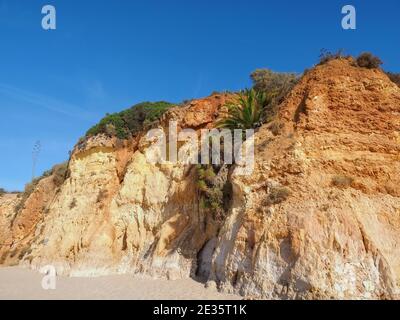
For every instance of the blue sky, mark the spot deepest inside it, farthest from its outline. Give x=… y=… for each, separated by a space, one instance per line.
x=107 y=55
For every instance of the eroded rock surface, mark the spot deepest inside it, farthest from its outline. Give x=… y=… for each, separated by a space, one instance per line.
x=318 y=218
x=336 y=165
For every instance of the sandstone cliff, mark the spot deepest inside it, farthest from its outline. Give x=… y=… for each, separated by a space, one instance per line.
x=318 y=218
x=337 y=233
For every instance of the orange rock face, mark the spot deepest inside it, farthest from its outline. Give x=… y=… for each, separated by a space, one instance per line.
x=204 y=111
x=334 y=232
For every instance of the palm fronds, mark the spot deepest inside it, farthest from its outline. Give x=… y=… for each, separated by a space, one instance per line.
x=247 y=111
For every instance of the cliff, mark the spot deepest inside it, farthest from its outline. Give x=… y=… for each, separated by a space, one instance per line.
x=319 y=217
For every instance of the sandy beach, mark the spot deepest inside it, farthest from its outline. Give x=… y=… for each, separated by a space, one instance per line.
x=24 y=284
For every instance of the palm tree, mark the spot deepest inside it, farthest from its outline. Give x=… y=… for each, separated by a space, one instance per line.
x=246 y=112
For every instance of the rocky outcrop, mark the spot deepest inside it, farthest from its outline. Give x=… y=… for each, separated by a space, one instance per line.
x=319 y=217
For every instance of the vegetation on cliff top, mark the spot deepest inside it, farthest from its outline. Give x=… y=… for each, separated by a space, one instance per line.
x=276 y=86
x=258 y=105
x=364 y=60
x=368 y=60
x=129 y=122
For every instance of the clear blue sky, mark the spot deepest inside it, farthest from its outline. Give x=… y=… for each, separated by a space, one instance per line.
x=107 y=55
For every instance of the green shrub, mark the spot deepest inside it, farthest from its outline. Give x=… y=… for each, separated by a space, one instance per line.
x=207 y=174
x=368 y=60
x=215 y=198
x=342 y=181
x=2 y=191
x=129 y=122
x=212 y=198
x=215 y=190
x=201 y=184
x=276 y=86
x=266 y=80
x=394 y=77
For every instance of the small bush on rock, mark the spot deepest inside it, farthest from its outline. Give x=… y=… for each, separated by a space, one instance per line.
x=326 y=56
x=60 y=173
x=277 y=83
x=368 y=60
x=128 y=122
x=275 y=86
x=215 y=190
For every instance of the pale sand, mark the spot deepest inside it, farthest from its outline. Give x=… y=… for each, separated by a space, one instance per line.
x=18 y=283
